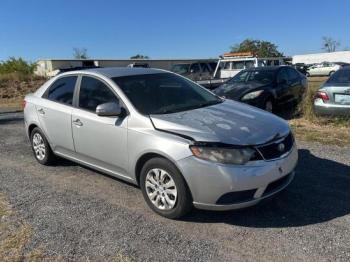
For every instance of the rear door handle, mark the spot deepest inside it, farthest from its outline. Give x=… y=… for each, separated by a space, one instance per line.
x=41 y=111
x=77 y=122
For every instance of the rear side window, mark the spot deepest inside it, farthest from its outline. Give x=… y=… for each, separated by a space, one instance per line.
x=62 y=90
x=93 y=92
x=293 y=74
x=282 y=75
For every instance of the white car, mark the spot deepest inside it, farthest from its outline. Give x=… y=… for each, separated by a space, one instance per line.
x=323 y=69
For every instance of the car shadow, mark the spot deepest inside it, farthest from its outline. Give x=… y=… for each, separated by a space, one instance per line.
x=320 y=192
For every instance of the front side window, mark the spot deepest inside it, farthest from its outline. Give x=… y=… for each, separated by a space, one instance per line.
x=164 y=93
x=93 y=92
x=62 y=90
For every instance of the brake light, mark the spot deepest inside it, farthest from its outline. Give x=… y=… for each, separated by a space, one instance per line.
x=322 y=95
x=24 y=102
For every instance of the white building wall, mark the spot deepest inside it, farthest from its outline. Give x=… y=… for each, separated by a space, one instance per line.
x=343 y=56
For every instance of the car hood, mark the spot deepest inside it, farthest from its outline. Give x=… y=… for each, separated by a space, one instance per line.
x=229 y=122
x=237 y=90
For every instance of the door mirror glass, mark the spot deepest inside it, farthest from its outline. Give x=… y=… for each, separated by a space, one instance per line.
x=109 y=109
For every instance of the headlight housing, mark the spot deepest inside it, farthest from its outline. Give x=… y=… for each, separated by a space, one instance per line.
x=236 y=156
x=252 y=95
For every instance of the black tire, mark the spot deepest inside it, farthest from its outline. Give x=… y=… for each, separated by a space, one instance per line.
x=49 y=157
x=307 y=74
x=183 y=203
x=331 y=73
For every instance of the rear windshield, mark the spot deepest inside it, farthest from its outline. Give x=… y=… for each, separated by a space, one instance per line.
x=340 y=77
x=164 y=93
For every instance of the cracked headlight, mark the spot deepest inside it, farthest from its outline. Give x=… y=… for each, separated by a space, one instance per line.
x=252 y=95
x=236 y=156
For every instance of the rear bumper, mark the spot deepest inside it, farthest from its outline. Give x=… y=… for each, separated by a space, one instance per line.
x=322 y=108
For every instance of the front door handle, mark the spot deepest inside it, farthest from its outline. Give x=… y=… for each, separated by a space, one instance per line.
x=77 y=122
x=41 y=111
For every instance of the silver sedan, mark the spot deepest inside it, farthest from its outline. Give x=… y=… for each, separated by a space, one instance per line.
x=183 y=145
x=333 y=97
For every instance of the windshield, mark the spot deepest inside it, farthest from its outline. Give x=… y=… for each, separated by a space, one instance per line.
x=340 y=77
x=164 y=93
x=180 y=68
x=259 y=76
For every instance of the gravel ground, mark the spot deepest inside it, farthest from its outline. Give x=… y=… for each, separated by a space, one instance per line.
x=79 y=214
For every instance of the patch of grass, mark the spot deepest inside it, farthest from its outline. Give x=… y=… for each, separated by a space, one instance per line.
x=330 y=134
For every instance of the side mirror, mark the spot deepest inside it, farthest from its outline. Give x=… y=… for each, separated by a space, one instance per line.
x=109 y=109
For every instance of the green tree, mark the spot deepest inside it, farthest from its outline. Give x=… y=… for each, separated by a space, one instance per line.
x=17 y=65
x=138 y=56
x=80 y=53
x=259 y=48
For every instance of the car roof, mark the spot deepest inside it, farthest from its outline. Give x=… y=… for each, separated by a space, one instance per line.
x=111 y=72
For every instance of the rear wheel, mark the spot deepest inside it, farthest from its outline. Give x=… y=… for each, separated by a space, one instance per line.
x=331 y=73
x=41 y=148
x=164 y=188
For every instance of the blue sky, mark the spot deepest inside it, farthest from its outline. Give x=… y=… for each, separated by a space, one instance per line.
x=36 y=29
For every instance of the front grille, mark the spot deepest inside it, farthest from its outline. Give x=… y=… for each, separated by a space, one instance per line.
x=236 y=197
x=275 y=150
x=276 y=185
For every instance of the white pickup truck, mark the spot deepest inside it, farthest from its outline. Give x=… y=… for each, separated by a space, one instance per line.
x=232 y=63
x=212 y=75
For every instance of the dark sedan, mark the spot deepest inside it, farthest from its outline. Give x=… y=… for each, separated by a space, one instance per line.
x=265 y=87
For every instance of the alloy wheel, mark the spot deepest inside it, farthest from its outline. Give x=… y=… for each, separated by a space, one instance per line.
x=39 y=146
x=161 y=189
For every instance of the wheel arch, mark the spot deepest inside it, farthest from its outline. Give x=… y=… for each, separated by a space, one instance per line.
x=31 y=127
x=141 y=161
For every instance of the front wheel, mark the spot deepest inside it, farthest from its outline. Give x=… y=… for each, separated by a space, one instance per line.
x=164 y=188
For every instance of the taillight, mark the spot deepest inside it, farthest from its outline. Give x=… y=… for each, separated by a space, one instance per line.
x=24 y=102
x=322 y=95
